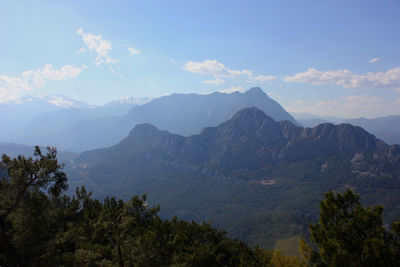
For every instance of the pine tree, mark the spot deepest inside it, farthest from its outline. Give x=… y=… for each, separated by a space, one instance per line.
x=348 y=234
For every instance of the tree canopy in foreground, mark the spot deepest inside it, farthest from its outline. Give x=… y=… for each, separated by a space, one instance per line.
x=41 y=226
x=348 y=234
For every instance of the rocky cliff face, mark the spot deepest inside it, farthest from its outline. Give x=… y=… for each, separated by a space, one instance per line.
x=249 y=140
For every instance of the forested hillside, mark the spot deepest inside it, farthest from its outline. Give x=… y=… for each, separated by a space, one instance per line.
x=251 y=175
x=40 y=226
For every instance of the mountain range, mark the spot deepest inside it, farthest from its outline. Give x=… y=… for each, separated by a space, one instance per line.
x=16 y=114
x=385 y=128
x=75 y=126
x=83 y=129
x=244 y=172
x=183 y=114
x=238 y=160
x=48 y=121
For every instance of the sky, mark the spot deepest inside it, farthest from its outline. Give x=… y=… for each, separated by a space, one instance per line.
x=338 y=58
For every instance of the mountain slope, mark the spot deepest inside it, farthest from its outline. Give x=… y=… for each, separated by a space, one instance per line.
x=249 y=168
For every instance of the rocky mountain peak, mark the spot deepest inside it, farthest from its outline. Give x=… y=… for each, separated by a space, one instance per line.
x=256 y=91
x=144 y=129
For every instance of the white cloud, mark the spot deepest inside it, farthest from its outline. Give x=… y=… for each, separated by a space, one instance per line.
x=348 y=107
x=112 y=70
x=81 y=50
x=263 y=78
x=350 y=102
x=209 y=67
x=232 y=90
x=348 y=79
x=12 y=87
x=62 y=102
x=216 y=81
x=219 y=70
x=133 y=51
x=374 y=60
x=97 y=44
x=48 y=72
x=362 y=100
x=352 y=105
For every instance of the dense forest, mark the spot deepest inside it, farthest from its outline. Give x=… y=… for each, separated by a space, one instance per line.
x=41 y=226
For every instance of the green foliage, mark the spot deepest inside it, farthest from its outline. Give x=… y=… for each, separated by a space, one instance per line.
x=241 y=205
x=23 y=202
x=289 y=246
x=276 y=258
x=348 y=234
x=52 y=229
x=40 y=226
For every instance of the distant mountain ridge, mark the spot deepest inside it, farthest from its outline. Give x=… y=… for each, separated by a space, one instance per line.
x=305 y=117
x=55 y=100
x=88 y=128
x=14 y=115
x=14 y=150
x=385 y=128
x=131 y=101
x=183 y=114
x=51 y=120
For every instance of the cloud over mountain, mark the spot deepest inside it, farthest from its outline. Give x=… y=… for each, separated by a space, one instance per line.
x=97 y=44
x=12 y=87
x=219 y=70
x=389 y=79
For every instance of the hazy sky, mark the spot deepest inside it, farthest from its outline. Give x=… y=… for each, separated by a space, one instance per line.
x=328 y=57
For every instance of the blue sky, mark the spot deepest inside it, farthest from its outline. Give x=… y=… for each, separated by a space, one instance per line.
x=326 y=57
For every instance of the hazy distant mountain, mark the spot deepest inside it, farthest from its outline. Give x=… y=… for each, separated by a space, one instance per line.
x=14 y=150
x=53 y=120
x=183 y=114
x=312 y=120
x=55 y=100
x=79 y=129
x=242 y=173
x=130 y=101
x=385 y=128
x=189 y=114
x=16 y=114
x=309 y=116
